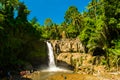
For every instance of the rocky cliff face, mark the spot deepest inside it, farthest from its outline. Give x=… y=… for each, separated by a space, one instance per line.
x=83 y=63
x=67 y=45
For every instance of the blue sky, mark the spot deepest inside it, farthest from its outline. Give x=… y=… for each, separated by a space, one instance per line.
x=54 y=9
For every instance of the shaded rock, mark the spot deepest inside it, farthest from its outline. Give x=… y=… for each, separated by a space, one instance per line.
x=98 y=52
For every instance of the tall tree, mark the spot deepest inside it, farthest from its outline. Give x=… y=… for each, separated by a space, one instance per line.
x=74 y=19
x=22 y=12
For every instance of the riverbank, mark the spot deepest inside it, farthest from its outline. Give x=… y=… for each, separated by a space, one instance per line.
x=37 y=75
x=83 y=69
x=76 y=76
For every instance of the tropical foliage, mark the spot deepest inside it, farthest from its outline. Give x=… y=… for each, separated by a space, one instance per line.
x=98 y=26
x=16 y=33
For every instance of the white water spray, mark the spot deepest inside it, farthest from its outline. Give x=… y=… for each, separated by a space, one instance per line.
x=52 y=66
x=51 y=56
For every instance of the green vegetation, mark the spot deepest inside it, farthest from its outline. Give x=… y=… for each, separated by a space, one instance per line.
x=17 y=34
x=99 y=26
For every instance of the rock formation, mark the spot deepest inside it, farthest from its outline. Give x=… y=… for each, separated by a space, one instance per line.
x=68 y=45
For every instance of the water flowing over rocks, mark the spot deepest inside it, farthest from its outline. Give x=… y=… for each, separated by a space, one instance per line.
x=72 y=52
x=86 y=66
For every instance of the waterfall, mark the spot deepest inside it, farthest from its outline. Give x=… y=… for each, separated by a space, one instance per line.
x=52 y=66
x=51 y=56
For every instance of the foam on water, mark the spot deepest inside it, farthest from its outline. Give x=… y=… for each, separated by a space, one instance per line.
x=55 y=69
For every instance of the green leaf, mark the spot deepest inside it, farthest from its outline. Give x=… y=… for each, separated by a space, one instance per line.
x=1 y=17
x=112 y=21
x=1 y=28
x=118 y=25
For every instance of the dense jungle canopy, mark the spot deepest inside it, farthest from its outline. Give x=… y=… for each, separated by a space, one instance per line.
x=98 y=26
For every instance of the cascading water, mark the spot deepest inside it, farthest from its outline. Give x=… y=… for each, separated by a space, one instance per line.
x=52 y=69
x=51 y=56
x=52 y=66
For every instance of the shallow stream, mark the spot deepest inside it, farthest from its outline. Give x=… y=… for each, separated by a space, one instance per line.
x=44 y=74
